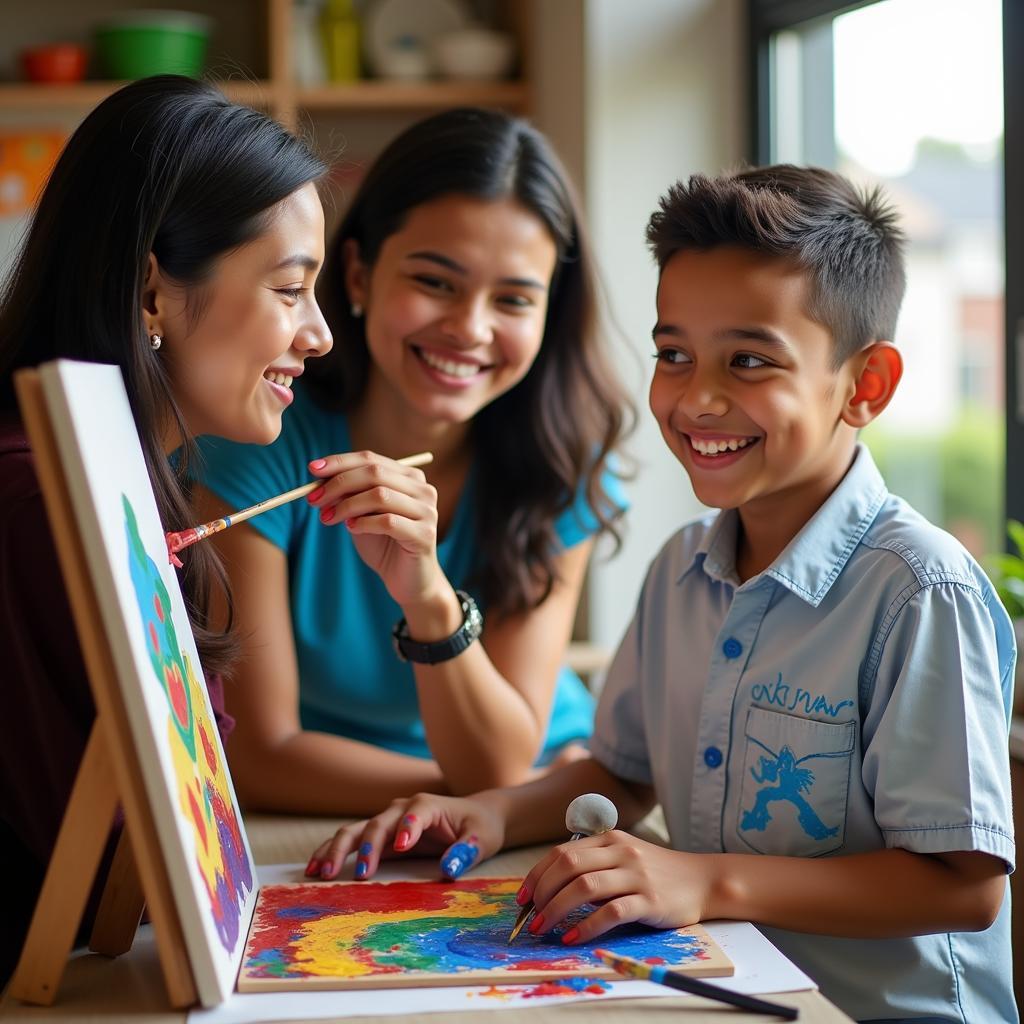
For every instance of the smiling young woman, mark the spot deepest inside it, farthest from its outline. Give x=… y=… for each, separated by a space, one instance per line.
x=461 y=290
x=179 y=237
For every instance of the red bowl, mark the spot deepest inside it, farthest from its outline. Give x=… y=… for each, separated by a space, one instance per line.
x=59 y=62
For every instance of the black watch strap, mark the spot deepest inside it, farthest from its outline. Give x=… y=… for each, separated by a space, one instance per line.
x=440 y=650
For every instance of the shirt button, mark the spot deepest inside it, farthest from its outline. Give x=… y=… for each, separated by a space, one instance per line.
x=732 y=648
x=712 y=757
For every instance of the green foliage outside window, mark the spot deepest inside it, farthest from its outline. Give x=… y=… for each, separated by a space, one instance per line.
x=954 y=478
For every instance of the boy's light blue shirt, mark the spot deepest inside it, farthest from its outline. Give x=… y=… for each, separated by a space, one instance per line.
x=351 y=682
x=853 y=696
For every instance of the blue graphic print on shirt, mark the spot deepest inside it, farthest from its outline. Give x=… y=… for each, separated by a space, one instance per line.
x=792 y=783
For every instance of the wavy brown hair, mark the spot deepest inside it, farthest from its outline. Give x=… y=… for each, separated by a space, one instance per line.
x=165 y=165
x=549 y=438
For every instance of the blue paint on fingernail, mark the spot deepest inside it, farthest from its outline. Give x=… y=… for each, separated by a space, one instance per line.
x=459 y=858
x=366 y=849
x=361 y=868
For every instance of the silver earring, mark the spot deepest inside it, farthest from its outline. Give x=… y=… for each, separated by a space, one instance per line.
x=155 y=341
x=356 y=309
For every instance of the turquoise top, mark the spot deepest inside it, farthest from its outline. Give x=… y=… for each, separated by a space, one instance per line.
x=351 y=682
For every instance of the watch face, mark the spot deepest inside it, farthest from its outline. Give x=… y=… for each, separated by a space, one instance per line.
x=441 y=650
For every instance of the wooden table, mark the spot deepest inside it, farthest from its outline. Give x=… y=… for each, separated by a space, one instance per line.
x=130 y=988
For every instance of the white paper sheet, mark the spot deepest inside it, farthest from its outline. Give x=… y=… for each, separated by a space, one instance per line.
x=760 y=969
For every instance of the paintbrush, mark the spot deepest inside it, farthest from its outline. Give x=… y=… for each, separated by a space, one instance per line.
x=673 y=979
x=183 y=538
x=587 y=815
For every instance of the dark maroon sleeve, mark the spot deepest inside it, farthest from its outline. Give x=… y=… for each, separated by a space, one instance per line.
x=48 y=708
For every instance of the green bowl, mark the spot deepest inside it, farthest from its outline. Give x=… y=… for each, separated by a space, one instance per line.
x=152 y=43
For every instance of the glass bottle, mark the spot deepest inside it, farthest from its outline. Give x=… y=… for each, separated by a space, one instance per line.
x=340 y=28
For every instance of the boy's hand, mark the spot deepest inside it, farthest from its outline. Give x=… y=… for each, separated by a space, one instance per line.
x=426 y=823
x=628 y=879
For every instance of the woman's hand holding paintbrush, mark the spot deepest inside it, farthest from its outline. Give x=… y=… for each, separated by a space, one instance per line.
x=390 y=510
x=316 y=490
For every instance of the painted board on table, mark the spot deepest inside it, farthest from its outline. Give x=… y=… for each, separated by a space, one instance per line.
x=338 y=935
x=185 y=775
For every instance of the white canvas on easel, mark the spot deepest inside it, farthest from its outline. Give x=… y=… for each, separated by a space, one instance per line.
x=209 y=864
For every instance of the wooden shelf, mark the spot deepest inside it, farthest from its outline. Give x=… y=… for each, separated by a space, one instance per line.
x=83 y=95
x=377 y=95
x=371 y=95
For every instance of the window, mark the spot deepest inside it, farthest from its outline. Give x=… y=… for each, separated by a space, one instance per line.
x=909 y=94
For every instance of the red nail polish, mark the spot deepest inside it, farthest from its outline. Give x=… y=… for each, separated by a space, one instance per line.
x=326 y=869
x=350 y=523
x=571 y=936
x=522 y=896
x=536 y=924
x=311 y=866
x=318 y=464
x=402 y=840
x=316 y=495
x=326 y=515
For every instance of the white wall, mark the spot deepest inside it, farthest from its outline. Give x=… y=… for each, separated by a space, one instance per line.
x=664 y=97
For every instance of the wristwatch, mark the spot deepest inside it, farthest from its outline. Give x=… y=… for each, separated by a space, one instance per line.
x=440 y=650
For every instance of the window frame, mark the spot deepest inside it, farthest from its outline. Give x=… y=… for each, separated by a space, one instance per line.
x=765 y=18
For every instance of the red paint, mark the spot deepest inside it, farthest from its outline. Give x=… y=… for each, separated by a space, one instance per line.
x=571 y=961
x=375 y=898
x=197 y=817
x=177 y=541
x=176 y=693
x=208 y=750
x=158 y=607
x=656 y=960
x=154 y=640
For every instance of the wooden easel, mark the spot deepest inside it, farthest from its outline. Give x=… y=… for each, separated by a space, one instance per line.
x=110 y=773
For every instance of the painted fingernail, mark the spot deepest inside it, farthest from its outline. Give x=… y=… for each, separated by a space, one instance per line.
x=312 y=866
x=522 y=896
x=402 y=839
x=571 y=936
x=411 y=819
x=350 y=523
x=326 y=515
x=326 y=869
x=460 y=857
x=316 y=495
x=366 y=849
x=361 y=868
x=536 y=924
x=318 y=464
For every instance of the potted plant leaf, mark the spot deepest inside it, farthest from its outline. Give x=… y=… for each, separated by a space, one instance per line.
x=1007 y=574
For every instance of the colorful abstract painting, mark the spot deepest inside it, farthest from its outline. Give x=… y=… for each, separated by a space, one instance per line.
x=389 y=934
x=204 y=796
x=159 y=679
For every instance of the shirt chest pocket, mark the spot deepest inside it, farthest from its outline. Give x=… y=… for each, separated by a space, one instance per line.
x=796 y=781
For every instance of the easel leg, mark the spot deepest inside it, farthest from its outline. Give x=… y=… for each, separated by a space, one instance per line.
x=69 y=877
x=120 y=909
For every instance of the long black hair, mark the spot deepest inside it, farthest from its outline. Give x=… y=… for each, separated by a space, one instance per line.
x=166 y=165
x=548 y=437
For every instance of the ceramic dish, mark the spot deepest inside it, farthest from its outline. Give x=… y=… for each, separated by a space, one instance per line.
x=408 y=25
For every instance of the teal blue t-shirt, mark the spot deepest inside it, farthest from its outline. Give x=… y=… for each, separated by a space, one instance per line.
x=351 y=682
